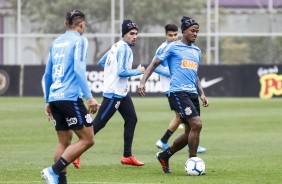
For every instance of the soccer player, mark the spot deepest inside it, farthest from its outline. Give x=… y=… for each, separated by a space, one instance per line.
x=117 y=64
x=183 y=59
x=171 y=34
x=65 y=85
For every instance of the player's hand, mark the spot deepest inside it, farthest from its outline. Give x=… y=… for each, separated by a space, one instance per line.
x=141 y=68
x=204 y=100
x=48 y=112
x=92 y=105
x=141 y=90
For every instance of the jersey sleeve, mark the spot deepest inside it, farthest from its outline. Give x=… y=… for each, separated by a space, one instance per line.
x=166 y=52
x=103 y=60
x=123 y=57
x=80 y=66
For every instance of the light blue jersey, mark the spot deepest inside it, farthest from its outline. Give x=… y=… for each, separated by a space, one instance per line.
x=183 y=62
x=117 y=64
x=65 y=73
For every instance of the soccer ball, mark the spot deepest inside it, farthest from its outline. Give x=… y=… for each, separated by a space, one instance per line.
x=195 y=166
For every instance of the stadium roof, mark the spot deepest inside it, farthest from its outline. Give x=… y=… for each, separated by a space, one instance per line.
x=247 y=3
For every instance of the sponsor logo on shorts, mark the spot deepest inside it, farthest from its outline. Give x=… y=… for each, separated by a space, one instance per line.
x=88 y=118
x=188 y=111
x=71 y=121
x=117 y=104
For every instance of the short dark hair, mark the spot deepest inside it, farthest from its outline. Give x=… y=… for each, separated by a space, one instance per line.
x=171 y=27
x=74 y=17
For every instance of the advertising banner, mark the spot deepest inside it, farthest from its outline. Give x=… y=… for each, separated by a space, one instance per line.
x=263 y=81
x=33 y=80
x=9 y=80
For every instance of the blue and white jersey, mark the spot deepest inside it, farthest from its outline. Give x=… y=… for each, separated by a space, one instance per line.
x=117 y=64
x=65 y=72
x=163 y=70
x=183 y=62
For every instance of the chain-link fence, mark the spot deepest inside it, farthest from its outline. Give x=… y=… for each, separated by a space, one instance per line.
x=231 y=31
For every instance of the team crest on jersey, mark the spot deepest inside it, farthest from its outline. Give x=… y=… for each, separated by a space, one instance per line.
x=88 y=118
x=117 y=104
x=71 y=121
x=196 y=54
x=188 y=111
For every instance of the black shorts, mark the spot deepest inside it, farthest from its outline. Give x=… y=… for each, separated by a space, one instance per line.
x=186 y=104
x=70 y=115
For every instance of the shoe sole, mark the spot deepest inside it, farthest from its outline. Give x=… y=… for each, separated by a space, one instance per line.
x=76 y=166
x=159 y=147
x=138 y=165
x=44 y=177
x=123 y=163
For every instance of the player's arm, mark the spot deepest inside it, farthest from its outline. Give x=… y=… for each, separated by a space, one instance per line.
x=202 y=93
x=48 y=76
x=48 y=83
x=122 y=59
x=148 y=72
x=80 y=73
x=103 y=60
x=162 y=56
x=161 y=70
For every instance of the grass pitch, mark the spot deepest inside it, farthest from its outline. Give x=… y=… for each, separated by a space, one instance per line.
x=242 y=136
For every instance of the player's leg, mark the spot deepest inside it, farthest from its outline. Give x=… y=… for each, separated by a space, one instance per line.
x=85 y=141
x=64 y=140
x=179 y=143
x=195 y=101
x=105 y=113
x=128 y=113
x=194 y=135
x=181 y=103
x=173 y=125
x=192 y=116
x=77 y=119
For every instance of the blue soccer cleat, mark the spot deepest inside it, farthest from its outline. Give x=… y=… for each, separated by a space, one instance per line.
x=49 y=176
x=199 y=150
x=162 y=145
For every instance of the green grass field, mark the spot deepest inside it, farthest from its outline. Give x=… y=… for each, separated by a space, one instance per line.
x=242 y=135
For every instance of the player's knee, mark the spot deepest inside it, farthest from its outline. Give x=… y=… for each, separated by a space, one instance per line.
x=132 y=120
x=90 y=142
x=196 y=123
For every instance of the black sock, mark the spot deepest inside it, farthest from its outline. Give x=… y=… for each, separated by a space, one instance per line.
x=166 y=153
x=190 y=156
x=127 y=153
x=59 y=165
x=63 y=178
x=166 y=136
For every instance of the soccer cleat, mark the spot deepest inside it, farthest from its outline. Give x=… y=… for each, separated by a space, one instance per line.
x=76 y=163
x=49 y=176
x=181 y=126
x=199 y=150
x=162 y=145
x=131 y=161
x=164 y=163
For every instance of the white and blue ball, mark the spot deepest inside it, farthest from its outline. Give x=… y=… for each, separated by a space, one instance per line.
x=195 y=166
